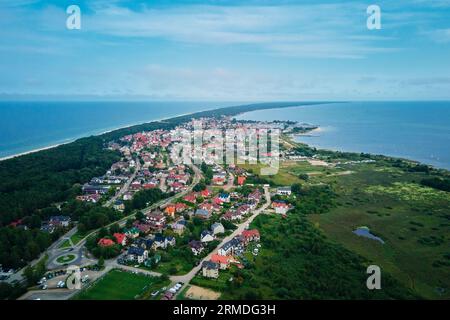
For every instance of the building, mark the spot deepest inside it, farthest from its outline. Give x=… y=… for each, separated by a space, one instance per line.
x=196 y=247
x=284 y=191
x=241 y=180
x=137 y=254
x=250 y=235
x=206 y=236
x=280 y=207
x=217 y=228
x=202 y=213
x=119 y=205
x=59 y=221
x=222 y=261
x=231 y=247
x=103 y=242
x=121 y=238
x=210 y=269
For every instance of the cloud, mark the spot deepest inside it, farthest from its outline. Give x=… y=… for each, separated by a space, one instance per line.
x=320 y=31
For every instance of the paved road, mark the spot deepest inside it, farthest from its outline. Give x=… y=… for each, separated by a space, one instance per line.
x=126 y=185
x=241 y=227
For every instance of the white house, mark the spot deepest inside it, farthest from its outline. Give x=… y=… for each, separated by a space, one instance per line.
x=217 y=228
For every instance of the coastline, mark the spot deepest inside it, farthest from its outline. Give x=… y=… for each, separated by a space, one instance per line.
x=70 y=140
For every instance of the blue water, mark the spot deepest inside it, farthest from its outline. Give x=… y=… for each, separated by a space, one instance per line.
x=26 y=126
x=364 y=232
x=413 y=130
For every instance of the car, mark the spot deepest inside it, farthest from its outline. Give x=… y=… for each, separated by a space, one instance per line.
x=172 y=290
x=155 y=293
x=44 y=287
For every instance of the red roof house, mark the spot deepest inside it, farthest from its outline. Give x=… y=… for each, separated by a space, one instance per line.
x=103 y=242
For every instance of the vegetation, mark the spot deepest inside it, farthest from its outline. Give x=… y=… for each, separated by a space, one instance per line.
x=122 y=285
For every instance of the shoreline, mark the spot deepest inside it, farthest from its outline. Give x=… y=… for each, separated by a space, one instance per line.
x=70 y=140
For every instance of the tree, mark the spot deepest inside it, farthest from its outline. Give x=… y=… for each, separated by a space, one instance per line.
x=140 y=216
x=101 y=262
x=129 y=223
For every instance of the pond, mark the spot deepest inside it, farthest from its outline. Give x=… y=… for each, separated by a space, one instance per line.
x=365 y=232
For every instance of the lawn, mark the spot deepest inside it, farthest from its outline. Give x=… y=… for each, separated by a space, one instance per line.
x=65 y=258
x=122 y=285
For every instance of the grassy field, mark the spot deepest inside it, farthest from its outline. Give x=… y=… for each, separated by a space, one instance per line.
x=122 y=285
x=411 y=219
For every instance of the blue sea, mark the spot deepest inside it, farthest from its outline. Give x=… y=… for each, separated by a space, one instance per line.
x=26 y=126
x=413 y=130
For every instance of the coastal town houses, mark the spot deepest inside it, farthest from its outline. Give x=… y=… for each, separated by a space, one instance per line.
x=196 y=247
x=137 y=254
x=59 y=221
x=280 y=207
x=210 y=269
x=206 y=236
x=217 y=228
x=222 y=261
x=284 y=191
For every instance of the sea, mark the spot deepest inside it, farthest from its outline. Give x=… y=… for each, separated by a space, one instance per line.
x=413 y=130
x=416 y=130
x=27 y=126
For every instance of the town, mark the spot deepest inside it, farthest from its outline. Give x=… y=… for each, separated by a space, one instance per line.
x=167 y=218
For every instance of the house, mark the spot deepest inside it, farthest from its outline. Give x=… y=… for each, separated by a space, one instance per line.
x=170 y=210
x=217 y=228
x=132 y=233
x=280 y=207
x=103 y=242
x=241 y=180
x=231 y=247
x=142 y=227
x=180 y=207
x=156 y=220
x=229 y=216
x=143 y=243
x=119 y=205
x=137 y=254
x=190 y=197
x=202 y=213
x=59 y=221
x=284 y=191
x=196 y=247
x=205 y=193
x=91 y=189
x=222 y=261
x=210 y=269
x=179 y=227
x=255 y=195
x=250 y=235
x=94 y=198
x=206 y=206
x=206 y=236
x=243 y=210
x=224 y=197
x=163 y=242
x=121 y=238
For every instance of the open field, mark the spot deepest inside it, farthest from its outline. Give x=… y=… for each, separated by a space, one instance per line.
x=121 y=285
x=199 y=293
x=411 y=219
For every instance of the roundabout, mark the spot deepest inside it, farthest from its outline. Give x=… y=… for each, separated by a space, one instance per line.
x=65 y=258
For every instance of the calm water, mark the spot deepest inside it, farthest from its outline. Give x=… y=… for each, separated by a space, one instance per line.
x=365 y=232
x=414 y=130
x=26 y=126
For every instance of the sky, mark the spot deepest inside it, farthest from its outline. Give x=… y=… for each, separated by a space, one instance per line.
x=259 y=50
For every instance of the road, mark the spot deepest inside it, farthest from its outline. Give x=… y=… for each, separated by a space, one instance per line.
x=54 y=251
x=126 y=185
x=241 y=227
